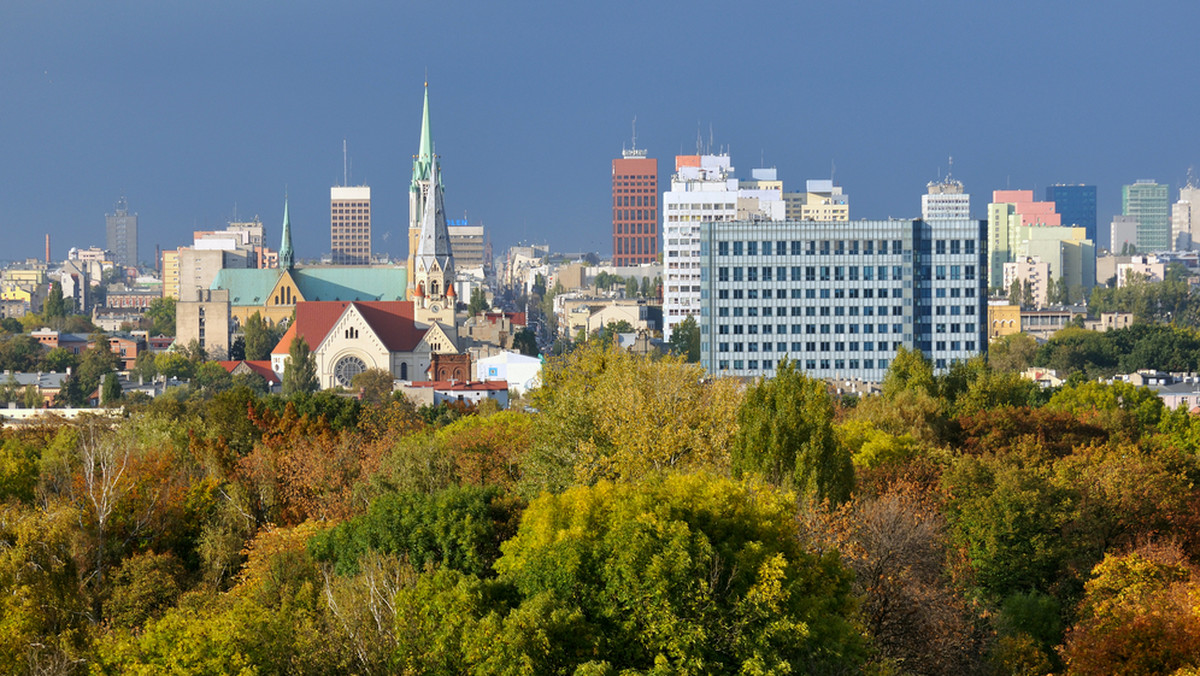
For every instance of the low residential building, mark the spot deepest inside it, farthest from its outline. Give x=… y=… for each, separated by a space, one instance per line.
x=1045 y=322
x=432 y=393
x=260 y=368
x=1110 y=321
x=522 y=373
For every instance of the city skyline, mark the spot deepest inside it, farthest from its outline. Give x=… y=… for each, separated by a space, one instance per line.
x=189 y=111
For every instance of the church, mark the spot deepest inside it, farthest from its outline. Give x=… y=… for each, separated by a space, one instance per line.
x=369 y=329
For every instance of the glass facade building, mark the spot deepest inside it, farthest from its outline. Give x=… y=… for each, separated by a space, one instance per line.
x=839 y=298
x=1076 y=205
x=1147 y=202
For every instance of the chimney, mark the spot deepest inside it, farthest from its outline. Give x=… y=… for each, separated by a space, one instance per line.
x=47 y=248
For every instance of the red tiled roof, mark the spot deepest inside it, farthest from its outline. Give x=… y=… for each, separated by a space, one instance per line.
x=392 y=321
x=262 y=368
x=462 y=387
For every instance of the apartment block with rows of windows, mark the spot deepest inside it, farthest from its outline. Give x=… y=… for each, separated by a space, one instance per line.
x=840 y=298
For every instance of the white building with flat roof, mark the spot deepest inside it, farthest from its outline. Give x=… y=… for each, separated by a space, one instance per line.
x=704 y=190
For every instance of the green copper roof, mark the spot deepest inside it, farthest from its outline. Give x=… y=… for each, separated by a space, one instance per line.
x=252 y=286
x=286 y=257
x=423 y=163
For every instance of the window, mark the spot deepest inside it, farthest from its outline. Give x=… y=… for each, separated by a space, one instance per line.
x=722 y=248
x=969 y=246
x=737 y=248
x=737 y=273
x=751 y=248
x=722 y=274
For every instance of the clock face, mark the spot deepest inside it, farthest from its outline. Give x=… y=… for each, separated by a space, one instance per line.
x=346 y=369
x=435 y=308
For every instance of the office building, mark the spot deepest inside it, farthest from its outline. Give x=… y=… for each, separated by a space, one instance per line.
x=1147 y=202
x=635 y=208
x=840 y=298
x=1185 y=218
x=821 y=201
x=122 y=235
x=468 y=244
x=945 y=199
x=1008 y=212
x=1032 y=274
x=1123 y=235
x=703 y=189
x=350 y=224
x=1076 y=205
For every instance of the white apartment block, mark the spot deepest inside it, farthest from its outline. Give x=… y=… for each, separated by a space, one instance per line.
x=945 y=199
x=703 y=190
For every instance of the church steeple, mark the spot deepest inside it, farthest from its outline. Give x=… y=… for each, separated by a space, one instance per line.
x=286 y=257
x=423 y=161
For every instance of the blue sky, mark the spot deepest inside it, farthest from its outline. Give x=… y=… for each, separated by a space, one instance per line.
x=192 y=108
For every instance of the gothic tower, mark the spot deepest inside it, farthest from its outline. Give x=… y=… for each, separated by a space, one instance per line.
x=433 y=294
x=423 y=179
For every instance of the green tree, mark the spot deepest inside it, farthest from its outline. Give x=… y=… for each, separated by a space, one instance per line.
x=685 y=339
x=300 y=369
x=374 y=384
x=111 y=391
x=457 y=527
x=479 y=302
x=59 y=360
x=525 y=342
x=631 y=287
x=211 y=377
x=785 y=433
x=20 y=353
x=174 y=365
x=608 y=333
x=1014 y=293
x=161 y=314
x=684 y=574
x=1012 y=353
x=259 y=339
x=55 y=305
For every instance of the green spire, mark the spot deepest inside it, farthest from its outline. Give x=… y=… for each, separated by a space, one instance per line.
x=286 y=257
x=423 y=163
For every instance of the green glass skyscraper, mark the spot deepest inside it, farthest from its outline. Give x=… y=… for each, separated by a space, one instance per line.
x=1147 y=201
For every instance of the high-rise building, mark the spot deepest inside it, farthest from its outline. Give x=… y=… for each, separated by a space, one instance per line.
x=635 y=208
x=1076 y=205
x=1123 y=235
x=1008 y=212
x=1185 y=218
x=350 y=224
x=1147 y=201
x=840 y=298
x=123 y=234
x=468 y=244
x=703 y=189
x=945 y=199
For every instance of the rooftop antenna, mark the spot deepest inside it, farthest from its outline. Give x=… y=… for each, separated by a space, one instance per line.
x=1191 y=177
x=832 y=170
x=710 y=137
x=635 y=132
x=950 y=169
x=699 y=140
x=344 y=164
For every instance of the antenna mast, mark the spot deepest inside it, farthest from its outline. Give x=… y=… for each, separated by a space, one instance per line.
x=345 y=181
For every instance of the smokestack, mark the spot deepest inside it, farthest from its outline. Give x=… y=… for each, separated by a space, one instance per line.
x=47 y=248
